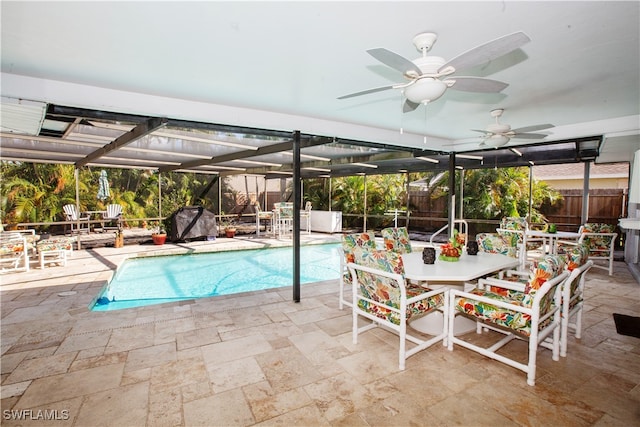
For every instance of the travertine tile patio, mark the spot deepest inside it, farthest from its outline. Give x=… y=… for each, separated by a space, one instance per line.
x=261 y=359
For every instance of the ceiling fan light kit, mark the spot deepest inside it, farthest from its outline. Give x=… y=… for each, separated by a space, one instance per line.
x=425 y=90
x=498 y=134
x=496 y=141
x=428 y=75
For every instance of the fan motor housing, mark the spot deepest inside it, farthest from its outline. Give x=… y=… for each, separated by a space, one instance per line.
x=429 y=64
x=498 y=128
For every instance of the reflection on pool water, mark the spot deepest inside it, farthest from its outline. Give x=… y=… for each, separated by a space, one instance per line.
x=155 y=280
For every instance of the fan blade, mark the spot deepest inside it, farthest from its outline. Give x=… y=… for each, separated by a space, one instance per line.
x=409 y=106
x=488 y=51
x=529 y=135
x=532 y=128
x=395 y=61
x=364 y=92
x=476 y=84
x=465 y=141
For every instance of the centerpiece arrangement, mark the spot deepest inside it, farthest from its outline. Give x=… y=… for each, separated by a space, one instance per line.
x=452 y=250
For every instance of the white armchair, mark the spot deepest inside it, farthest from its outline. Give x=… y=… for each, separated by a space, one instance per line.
x=382 y=295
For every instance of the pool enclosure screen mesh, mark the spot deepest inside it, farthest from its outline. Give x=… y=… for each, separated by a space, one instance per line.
x=192 y=223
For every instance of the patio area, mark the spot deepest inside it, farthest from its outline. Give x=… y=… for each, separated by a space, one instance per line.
x=260 y=359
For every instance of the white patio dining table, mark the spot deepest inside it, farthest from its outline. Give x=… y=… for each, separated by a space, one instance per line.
x=458 y=274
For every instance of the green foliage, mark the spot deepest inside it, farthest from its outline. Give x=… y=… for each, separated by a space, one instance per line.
x=495 y=193
x=34 y=192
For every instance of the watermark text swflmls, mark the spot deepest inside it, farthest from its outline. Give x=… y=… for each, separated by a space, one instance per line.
x=39 y=414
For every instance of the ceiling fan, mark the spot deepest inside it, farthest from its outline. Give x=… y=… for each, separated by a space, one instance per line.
x=430 y=76
x=498 y=134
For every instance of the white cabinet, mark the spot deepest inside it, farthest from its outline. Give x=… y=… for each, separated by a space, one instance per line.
x=326 y=221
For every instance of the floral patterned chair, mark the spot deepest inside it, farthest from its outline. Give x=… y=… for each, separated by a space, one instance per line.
x=350 y=242
x=577 y=264
x=14 y=251
x=396 y=239
x=600 y=239
x=514 y=230
x=532 y=312
x=495 y=244
x=54 y=250
x=264 y=216
x=382 y=295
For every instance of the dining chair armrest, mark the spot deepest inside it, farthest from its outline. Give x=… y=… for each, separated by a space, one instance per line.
x=504 y=284
x=456 y=293
x=523 y=274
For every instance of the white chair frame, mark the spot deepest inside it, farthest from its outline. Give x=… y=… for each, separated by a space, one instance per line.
x=568 y=298
x=401 y=329
x=343 y=269
x=19 y=260
x=604 y=254
x=538 y=335
x=113 y=213
x=79 y=219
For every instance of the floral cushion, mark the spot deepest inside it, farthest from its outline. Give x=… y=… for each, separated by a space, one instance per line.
x=12 y=243
x=573 y=255
x=518 y=224
x=360 y=240
x=495 y=244
x=352 y=241
x=55 y=244
x=546 y=268
x=385 y=291
x=396 y=239
x=12 y=246
x=598 y=243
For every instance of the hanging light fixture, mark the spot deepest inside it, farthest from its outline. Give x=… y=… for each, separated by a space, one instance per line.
x=425 y=90
x=496 y=141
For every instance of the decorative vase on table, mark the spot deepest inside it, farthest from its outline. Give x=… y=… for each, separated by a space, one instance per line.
x=429 y=255
x=472 y=247
x=452 y=250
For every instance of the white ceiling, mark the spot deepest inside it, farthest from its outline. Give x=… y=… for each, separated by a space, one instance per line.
x=282 y=65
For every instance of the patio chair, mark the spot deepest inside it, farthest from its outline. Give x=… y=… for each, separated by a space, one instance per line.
x=267 y=216
x=113 y=215
x=350 y=242
x=80 y=220
x=382 y=295
x=495 y=243
x=577 y=264
x=600 y=239
x=396 y=239
x=284 y=219
x=531 y=313
x=305 y=216
x=14 y=252
x=514 y=229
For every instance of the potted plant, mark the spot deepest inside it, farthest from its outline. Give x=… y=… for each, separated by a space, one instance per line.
x=228 y=225
x=158 y=234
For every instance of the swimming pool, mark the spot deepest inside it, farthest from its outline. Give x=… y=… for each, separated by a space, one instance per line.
x=154 y=280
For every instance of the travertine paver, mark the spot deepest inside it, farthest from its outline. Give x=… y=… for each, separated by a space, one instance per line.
x=261 y=359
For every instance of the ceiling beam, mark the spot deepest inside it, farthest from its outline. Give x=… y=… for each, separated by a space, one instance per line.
x=134 y=134
x=342 y=161
x=268 y=149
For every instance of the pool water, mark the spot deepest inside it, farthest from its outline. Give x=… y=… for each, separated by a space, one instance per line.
x=155 y=280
